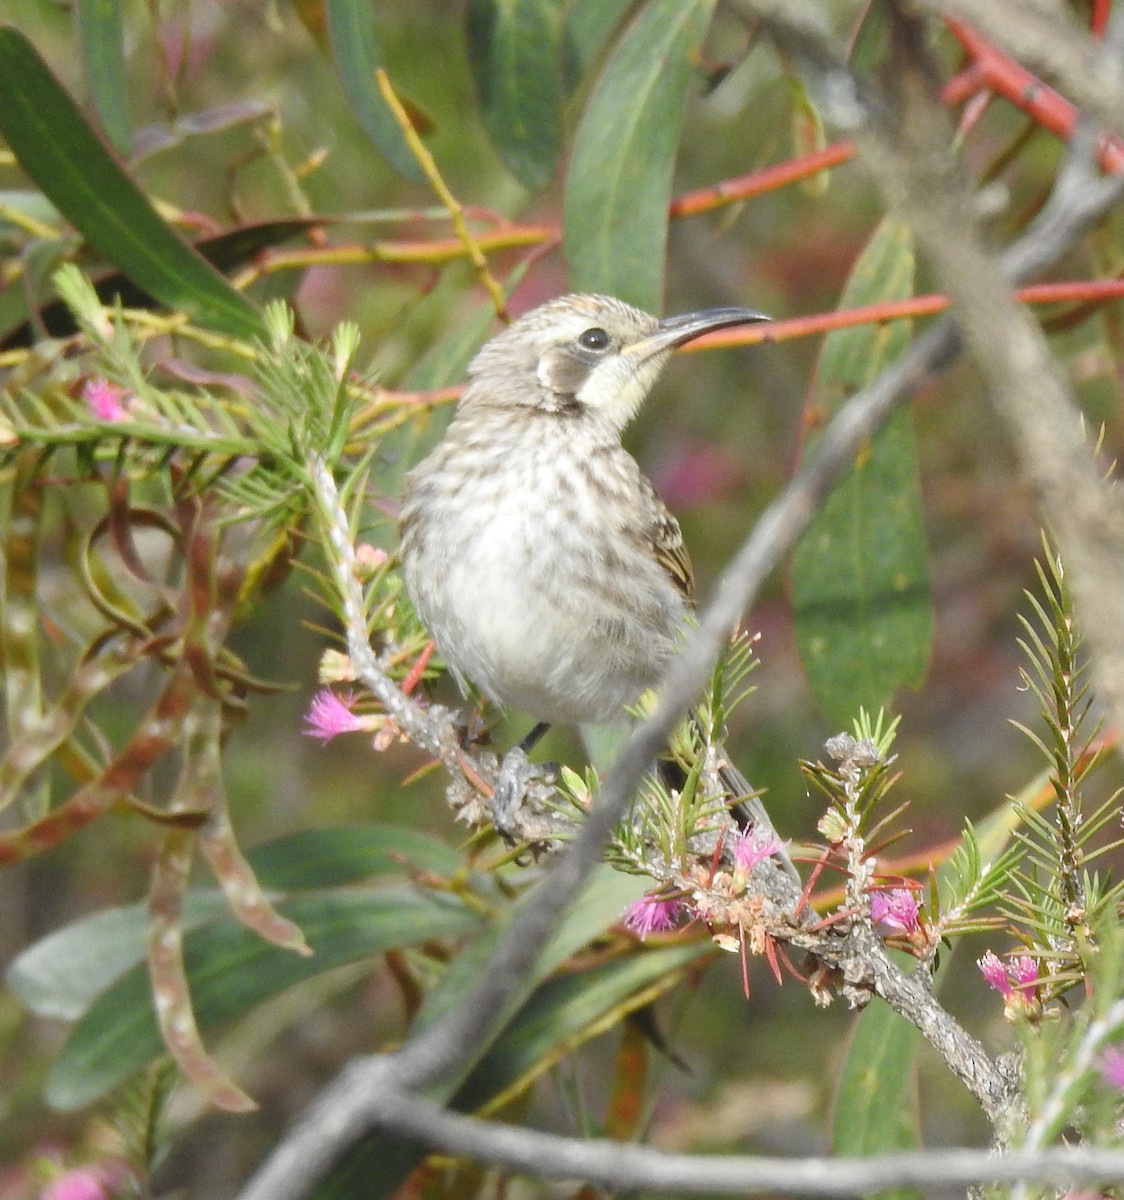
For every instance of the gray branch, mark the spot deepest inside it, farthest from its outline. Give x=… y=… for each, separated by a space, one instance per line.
x=626 y=1166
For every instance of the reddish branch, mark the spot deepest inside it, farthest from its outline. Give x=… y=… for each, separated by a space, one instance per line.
x=992 y=69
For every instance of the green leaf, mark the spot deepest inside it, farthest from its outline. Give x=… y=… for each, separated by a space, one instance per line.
x=355 y=49
x=590 y=25
x=224 y=250
x=59 y=150
x=101 y=35
x=64 y=973
x=61 y=975
x=516 y=52
x=569 y=1010
x=599 y=906
x=315 y=858
x=860 y=576
x=619 y=184
x=231 y=970
x=376 y=1167
x=876 y=1103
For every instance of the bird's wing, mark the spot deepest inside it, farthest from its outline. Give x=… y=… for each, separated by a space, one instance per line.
x=667 y=542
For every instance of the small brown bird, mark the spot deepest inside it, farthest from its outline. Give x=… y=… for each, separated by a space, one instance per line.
x=537 y=554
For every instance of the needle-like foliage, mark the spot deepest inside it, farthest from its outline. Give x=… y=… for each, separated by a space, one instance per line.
x=1055 y=901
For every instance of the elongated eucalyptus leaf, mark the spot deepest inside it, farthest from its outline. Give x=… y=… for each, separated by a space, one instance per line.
x=570 y=1009
x=876 y=1103
x=619 y=184
x=356 y=53
x=231 y=970
x=224 y=250
x=517 y=53
x=64 y=973
x=590 y=25
x=101 y=36
x=58 y=149
x=327 y=858
x=376 y=1167
x=860 y=576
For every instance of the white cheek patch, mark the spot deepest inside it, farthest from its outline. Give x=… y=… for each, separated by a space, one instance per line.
x=617 y=388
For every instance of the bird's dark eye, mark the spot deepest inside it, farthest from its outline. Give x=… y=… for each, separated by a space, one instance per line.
x=593 y=339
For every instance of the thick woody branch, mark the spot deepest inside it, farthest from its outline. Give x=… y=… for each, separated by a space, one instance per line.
x=619 y=1165
x=858 y=956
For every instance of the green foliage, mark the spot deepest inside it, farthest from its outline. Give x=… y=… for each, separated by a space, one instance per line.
x=1055 y=901
x=859 y=777
x=666 y=825
x=256 y=456
x=876 y=1104
x=1061 y=1057
x=355 y=50
x=619 y=184
x=57 y=148
x=518 y=54
x=860 y=575
x=232 y=971
x=969 y=885
x=101 y=31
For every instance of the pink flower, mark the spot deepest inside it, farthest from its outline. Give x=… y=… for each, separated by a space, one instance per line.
x=104 y=400
x=1011 y=980
x=369 y=558
x=753 y=846
x=1111 y=1066
x=896 y=910
x=995 y=974
x=651 y=914
x=330 y=715
x=1022 y=972
x=85 y=1183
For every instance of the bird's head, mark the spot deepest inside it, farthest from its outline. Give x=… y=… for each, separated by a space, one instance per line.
x=582 y=353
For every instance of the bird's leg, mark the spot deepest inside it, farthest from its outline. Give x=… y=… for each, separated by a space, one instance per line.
x=532 y=739
x=517 y=775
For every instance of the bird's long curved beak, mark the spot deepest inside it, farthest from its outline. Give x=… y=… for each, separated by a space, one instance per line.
x=675 y=331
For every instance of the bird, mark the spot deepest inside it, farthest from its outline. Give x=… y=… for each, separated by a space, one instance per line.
x=540 y=558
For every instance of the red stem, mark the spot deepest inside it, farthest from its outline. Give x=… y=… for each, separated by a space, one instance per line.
x=1025 y=90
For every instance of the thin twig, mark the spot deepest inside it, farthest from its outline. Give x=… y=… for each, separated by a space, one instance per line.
x=456 y=211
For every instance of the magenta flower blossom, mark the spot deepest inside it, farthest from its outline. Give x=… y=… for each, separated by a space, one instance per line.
x=1012 y=979
x=1111 y=1066
x=84 y=1183
x=1022 y=972
x=104 y=400
x=330 y=715
x=652 y=914
x=896 y=910
x=752 y=847
x=994 y=973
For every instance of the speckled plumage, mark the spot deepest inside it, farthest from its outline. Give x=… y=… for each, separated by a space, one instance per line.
x=536 y=552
